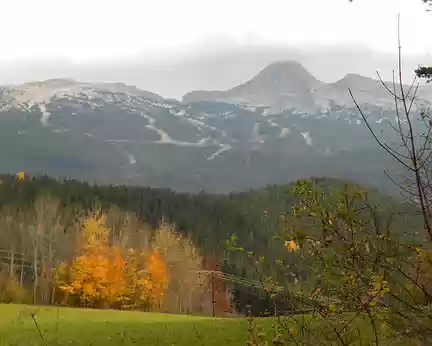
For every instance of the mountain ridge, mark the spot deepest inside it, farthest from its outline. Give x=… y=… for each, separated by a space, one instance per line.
x=286 y=85
x=281 y=85
x=282 y=125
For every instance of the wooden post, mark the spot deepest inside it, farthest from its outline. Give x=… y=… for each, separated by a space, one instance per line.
x=22 y=271
x=213 y=293
x=12 y=264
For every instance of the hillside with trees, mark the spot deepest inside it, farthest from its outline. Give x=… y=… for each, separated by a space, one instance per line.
x=55 y=234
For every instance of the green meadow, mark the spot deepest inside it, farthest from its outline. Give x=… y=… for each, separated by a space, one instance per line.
x=71 y=326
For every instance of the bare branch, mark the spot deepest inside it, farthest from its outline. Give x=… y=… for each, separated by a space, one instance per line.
x=399 y=185
x=423 y=150
x=387 y=88
x=404 y=140
x=382 y=144
x=397 y=131
x=415 y=167
x=413 y=98
x=411 y=86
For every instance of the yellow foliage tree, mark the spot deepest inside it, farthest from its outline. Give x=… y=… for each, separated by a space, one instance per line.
x=96 y=276
x=20 y=176
x=102 y=276
x=146 y=280
x=185 y=289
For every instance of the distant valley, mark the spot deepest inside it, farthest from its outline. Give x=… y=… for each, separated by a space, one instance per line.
x=281 y=125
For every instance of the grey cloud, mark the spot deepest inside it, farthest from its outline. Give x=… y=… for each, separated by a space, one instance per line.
x=213 y=66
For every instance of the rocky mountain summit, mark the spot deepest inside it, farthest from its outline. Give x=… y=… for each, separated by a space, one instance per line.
x=289 y=86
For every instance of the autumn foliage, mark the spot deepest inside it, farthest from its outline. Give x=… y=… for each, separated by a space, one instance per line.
x=20 y=176
x=145 y=279
x=103 y=274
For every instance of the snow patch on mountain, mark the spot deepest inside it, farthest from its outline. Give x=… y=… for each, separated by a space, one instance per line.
x=60 y=130
x=223 y=148
x=177 y=113
x=256 y=135
x=45 y=114
x=307 y=138
x=131 y=158
x=285 y=131
x=200 y=124
x=90 y=135
x=159 y=104
x=272 y=123
x=42 y=93
x=164 y=137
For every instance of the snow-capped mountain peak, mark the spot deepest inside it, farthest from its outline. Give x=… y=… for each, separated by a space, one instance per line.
x=282 y=124
x=287 y=85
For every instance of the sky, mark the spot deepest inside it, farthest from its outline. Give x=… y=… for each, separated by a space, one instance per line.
x=49 y=38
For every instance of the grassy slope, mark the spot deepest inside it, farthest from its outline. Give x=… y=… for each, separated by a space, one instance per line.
x=107 y=327
x=79 y=327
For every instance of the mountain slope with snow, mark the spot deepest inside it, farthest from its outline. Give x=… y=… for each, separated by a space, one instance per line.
x=283 y=124
x=289 y=86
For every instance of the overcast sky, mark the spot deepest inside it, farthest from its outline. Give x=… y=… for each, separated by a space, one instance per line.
x=107 y=39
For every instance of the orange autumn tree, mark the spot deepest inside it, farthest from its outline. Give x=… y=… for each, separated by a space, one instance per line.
x=95 y=277
x=157 y=273
x=102 y=276
x=20 y=176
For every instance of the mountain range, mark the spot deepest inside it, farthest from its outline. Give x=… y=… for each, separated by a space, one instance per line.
x=281 y=125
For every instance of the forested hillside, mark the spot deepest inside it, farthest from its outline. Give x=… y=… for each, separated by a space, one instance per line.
x=136 y=214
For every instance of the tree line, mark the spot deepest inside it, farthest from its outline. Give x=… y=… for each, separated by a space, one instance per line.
x=56 y=248
x=200 y=222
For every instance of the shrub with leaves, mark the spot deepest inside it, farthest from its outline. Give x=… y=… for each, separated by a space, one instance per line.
x=11 y=291
x=358 y=281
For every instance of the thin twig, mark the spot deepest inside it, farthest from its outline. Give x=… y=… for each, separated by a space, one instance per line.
x=412 y=84
x=37 y=326
x=404 y=140
x=387 y=88
x=399 y=185
x=413 y=98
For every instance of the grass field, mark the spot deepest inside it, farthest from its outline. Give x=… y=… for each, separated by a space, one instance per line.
x=79 y=327
x=68 y=326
